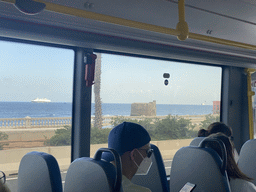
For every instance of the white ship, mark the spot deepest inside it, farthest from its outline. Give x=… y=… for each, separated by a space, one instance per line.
x=44 y=100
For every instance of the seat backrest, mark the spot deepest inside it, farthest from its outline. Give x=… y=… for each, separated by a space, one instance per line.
x=247 y=159
x=156 y=179
x=196 y=141
x=39 y=172
x=93 y=174
x=201 y=166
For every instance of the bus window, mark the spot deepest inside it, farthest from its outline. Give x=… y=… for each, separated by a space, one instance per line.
x=253 y=87
x=171 y=107
x=35 y=101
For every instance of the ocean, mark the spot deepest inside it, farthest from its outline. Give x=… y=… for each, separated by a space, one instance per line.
x=24 y=109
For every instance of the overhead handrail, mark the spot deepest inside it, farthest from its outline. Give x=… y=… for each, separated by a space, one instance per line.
x=250 y=93
x=182 y=26
x=104 y=18
x=135 y=24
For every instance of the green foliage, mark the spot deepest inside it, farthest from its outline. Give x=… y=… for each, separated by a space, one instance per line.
x=3 y=136
x=208 y=120
x=147 y=123
x=61 y=137
x=171 y=127
x=99 y=135
x=163 y=129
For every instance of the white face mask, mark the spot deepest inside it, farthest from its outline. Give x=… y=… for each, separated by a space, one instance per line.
x=145 y=165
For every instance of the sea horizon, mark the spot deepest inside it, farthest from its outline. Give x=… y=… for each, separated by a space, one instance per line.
x=64 y=109
x=101 y=103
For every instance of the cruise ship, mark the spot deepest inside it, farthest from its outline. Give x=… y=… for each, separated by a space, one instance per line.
x=44 y=100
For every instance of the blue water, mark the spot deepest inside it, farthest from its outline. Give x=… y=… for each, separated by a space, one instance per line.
x=23 y=109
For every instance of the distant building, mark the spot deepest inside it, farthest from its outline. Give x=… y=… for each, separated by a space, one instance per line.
x=216 y=107
x=146 y=109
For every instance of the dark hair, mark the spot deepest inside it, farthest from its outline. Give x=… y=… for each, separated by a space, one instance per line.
x=202 y=133
x=216 y=127
x=232 y=169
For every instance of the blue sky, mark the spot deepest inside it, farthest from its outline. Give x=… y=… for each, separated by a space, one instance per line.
x=130 y=80
x=30 y=71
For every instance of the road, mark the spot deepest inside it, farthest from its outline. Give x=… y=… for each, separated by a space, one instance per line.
x=12 y=181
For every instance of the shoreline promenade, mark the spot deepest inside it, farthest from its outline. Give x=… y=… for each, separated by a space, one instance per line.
x=33 y=132
x=55 y=122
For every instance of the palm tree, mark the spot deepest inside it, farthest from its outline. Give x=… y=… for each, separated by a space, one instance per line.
x=97 y=79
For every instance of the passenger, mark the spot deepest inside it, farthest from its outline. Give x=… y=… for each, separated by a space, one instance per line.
x=3 y=187
x=238 y=180
x=217 y=127
x=131 y=141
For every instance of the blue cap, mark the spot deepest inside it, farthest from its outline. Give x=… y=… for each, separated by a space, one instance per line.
x=126 y=137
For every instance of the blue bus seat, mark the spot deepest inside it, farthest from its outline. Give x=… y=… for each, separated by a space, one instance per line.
x=156 y=179
x=93 y=174
x=247 y=159
x=39 y=172
x=201 y=166
x=196 y=141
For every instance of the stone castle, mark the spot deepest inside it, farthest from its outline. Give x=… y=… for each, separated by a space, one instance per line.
x=145 y=109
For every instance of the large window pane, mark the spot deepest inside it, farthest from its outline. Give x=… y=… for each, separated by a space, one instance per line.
x=35 y=102
x=133 y=89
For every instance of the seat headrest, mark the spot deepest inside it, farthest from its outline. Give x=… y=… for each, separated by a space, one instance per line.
x=94 y=174
x=196 y=141
x=247 y=159
x=118 y=164
x=204 y=166
x=156 y=179
x=39 y=171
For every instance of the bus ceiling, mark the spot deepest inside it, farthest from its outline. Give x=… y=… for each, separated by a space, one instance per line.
x=153 y=22
x=181 y=30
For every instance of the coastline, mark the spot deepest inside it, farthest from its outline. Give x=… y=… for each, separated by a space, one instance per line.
x=195 y=119
x=58 y=109
x=58 y=122
x=35 y=135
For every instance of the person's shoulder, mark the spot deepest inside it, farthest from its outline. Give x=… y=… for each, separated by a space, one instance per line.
x=128 y=186
x=3 y=187
x=136 y=188
x=242 y=185
x=139 y=188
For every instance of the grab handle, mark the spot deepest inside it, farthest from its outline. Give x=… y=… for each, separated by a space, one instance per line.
x=97 y=156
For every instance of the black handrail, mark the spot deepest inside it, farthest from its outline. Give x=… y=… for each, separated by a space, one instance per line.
x=118 y=180
x=222 y=148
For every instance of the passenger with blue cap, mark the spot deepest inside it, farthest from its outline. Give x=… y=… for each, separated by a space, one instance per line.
x=131 y=141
